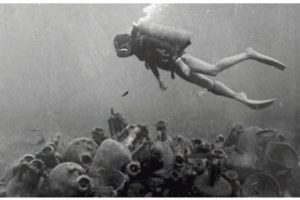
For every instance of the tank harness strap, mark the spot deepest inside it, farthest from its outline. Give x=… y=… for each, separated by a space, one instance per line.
x=172 y=74
x=172 y=69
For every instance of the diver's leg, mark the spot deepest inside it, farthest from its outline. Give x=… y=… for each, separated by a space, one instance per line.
x=215 y=87
x=219 y=88
x=248 y=54
x=200 y=66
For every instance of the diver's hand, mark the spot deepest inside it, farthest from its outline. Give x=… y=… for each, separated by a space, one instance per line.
x=162 y=86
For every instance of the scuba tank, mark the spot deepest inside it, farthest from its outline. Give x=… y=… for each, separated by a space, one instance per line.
x=179 y=39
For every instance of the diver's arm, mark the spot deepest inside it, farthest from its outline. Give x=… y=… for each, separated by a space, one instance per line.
x=155 y=72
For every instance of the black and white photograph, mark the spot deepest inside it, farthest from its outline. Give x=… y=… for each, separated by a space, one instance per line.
x=149 y=100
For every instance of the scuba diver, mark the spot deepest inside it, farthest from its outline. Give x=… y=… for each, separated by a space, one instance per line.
x=163 y=48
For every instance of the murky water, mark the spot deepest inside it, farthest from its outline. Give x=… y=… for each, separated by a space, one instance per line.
x=59 y=71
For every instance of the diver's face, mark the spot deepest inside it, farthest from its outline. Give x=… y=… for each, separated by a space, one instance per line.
x=124 y=50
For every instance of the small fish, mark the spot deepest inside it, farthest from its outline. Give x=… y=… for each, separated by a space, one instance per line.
x=125 y=93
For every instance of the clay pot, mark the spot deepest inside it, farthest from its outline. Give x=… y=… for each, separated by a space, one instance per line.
x=111 y=154
x=234 y=135
x=98 y=135
x=108 y=182
x=27 y=180
x=255 y=139
x=10 y=171
x=240 y=161
x=49 y=156
x=260 y=185
x=80 y=151
x=68 y=180
x=281 y=156
x=162 y=152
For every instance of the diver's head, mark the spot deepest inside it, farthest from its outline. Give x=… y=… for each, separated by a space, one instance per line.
x=122 y=43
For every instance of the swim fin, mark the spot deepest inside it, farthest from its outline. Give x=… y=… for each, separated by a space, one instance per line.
x=256 y=104
x=265 y=59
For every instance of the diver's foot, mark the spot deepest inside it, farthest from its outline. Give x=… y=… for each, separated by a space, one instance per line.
x=264 y=59
x=256 y=104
